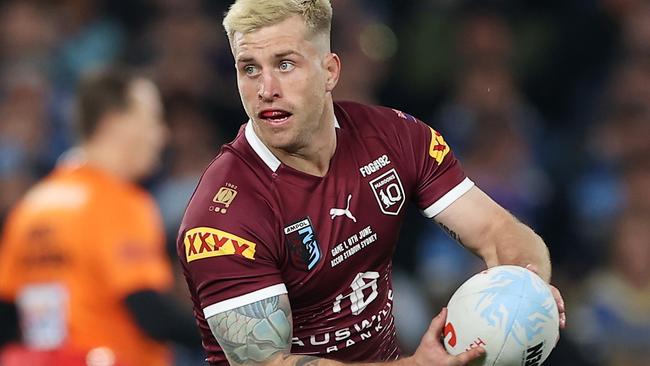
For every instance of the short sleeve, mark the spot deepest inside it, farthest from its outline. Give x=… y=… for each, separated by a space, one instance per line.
x=134 y=256
x=439 y=177
x=228 y=247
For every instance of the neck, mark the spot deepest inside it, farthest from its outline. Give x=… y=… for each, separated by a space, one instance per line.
x=104 y=157
x=315 y=157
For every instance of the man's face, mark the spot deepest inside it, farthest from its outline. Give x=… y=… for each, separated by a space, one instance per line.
x=284 y=79
x=142 y=129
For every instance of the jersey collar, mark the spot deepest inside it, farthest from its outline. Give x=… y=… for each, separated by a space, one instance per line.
x=262 y=151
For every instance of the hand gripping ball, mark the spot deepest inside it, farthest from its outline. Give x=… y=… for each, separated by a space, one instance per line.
x=509 y=311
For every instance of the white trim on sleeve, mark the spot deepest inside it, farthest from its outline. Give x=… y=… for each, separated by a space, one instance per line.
x=449 y=198
x=245 y=299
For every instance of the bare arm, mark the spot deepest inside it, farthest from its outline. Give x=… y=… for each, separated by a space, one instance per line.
x=487 y=229
x=260 y=334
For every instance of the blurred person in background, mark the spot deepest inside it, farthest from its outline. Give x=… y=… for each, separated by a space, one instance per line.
x=27 y=39
x=612 y=322
x=193 y=142
x=495 y=129
x=23 y=132
x=366 y=43
x=182 y=42
x=83 y=270
x=613 y=148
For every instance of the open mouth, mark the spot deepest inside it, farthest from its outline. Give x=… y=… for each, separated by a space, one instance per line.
x=274 y=115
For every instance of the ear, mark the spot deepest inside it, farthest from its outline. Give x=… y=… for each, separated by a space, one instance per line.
x=333 y=67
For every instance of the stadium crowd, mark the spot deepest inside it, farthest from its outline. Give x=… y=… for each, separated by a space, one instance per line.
x=547 y=105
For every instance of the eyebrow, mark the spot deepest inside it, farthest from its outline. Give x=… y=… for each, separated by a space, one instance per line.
x=286 y=53
x=245 y=60
x=281 y=54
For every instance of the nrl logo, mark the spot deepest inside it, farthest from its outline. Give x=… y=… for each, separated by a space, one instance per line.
x=389 y=192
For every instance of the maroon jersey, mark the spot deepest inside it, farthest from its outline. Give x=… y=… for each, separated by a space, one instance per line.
x=256 y=228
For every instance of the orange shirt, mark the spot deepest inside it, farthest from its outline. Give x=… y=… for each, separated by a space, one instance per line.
x=72 y=250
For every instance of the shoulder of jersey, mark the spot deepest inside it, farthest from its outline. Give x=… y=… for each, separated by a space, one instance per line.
x=231 y=201
x=368 y=118
x=231 y=183
x=66 y=189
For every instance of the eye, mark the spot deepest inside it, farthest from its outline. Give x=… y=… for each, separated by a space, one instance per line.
x=251 y=70
x=286 y=66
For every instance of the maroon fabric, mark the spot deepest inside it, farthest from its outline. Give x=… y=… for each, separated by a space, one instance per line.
x=342 y=303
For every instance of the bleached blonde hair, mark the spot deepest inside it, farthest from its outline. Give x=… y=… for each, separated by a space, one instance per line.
x=248 y=15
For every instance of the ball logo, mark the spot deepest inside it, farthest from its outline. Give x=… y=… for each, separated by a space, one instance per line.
x=528 y=323
x=449 y=329
x=534 y=355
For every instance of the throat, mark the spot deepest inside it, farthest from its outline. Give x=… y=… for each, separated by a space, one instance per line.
x=316 y=165
x=316 y=170
x=313 y=161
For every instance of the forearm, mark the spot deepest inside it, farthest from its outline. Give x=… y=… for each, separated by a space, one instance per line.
x=512 y=242
x=491 y=232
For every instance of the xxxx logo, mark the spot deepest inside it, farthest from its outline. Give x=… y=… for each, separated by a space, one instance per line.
x=438 y=148
x=206 y=242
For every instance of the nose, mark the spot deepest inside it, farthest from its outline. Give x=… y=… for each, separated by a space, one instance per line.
x=269 y=87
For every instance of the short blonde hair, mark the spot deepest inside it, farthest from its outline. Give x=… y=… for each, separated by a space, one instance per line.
x=248 y=15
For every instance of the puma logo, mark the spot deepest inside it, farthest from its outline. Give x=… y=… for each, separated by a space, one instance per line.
x=335 y=212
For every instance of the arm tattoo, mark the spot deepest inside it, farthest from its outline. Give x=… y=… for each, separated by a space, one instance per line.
x=452 y=234
x=255 y=332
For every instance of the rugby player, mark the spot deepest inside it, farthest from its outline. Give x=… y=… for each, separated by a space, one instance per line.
x=286 y=243
x=83 y=266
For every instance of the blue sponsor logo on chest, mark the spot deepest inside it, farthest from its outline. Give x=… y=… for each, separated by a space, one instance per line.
x=301 y=239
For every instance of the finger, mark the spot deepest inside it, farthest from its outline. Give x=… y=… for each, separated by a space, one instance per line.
x=532 y=268
x=560 y=306
x=467 y=356
x=438 y=322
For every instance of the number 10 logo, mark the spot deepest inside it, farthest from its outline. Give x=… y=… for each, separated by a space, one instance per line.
x=389 y=192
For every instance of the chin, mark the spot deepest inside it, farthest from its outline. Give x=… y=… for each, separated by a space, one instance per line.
x=278 y=139
x=289 y=145
x=281 y=145
x=145 y=172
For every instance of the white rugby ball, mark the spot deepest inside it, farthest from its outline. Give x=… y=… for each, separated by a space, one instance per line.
x=509 y=311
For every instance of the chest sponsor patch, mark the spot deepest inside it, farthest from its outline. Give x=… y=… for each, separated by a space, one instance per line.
x=302 y=243
x=206 y=242
x=389 y=192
